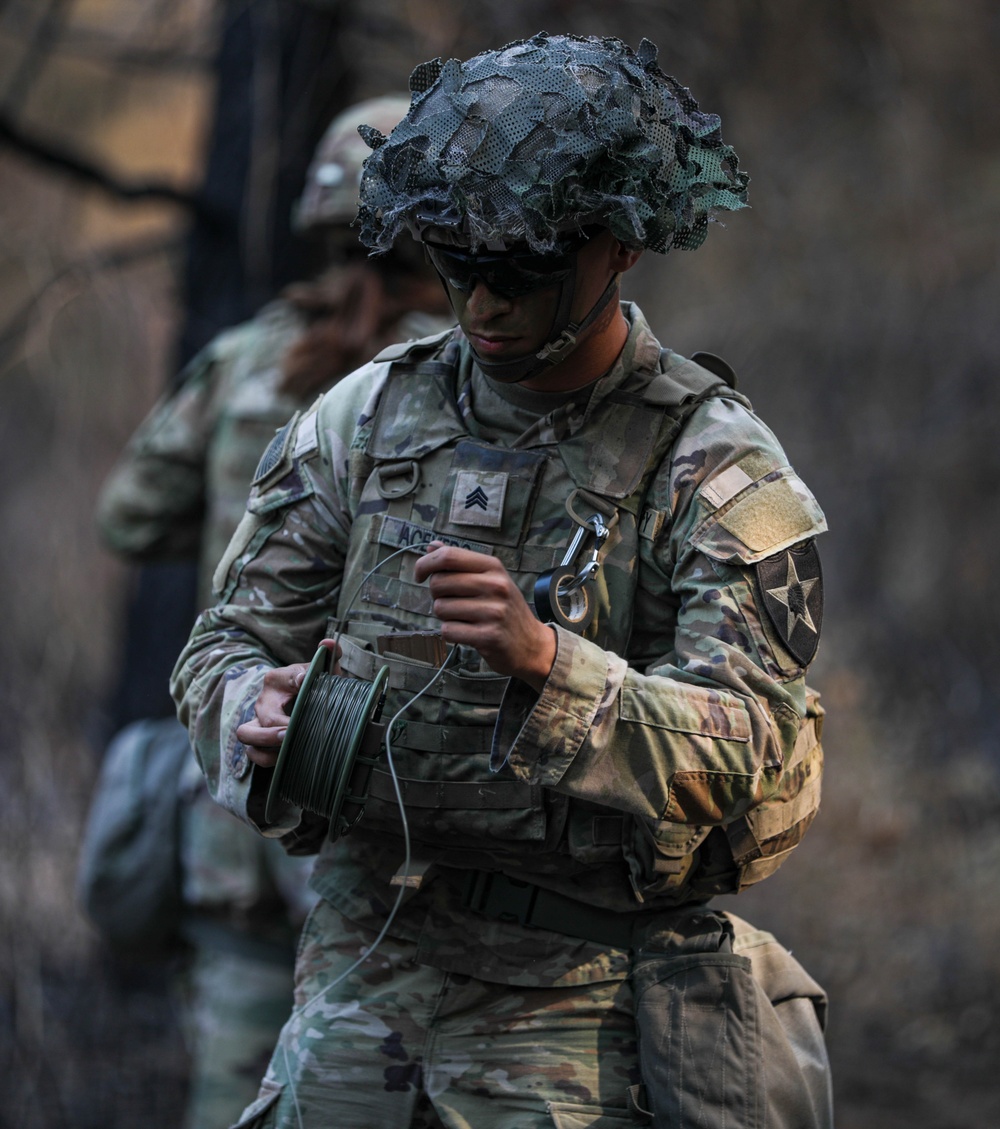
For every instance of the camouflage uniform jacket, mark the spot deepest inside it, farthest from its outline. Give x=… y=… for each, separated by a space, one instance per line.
x=180 y=488
x=659 y=733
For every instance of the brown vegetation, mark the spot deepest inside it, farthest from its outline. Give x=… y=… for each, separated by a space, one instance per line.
x=857 y=301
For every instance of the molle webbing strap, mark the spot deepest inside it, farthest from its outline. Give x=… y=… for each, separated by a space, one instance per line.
x=425 y=738
x=506 y=899
x=412 y=678
x=467 y=795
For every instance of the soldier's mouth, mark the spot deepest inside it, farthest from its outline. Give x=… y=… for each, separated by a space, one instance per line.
x=491 y=345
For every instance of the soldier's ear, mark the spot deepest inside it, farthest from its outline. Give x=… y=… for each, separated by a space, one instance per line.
x=624 y=258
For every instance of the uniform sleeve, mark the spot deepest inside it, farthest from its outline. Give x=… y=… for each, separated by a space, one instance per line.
x=278 y=584
x=694 y=726
x=153 y=502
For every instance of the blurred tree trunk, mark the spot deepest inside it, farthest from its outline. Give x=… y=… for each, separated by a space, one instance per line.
x=281 y=77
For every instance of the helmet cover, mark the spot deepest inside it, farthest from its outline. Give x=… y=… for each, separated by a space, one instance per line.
x=330 y=193
x=546 y=136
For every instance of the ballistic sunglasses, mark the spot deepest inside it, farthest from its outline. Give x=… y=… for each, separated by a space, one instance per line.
x=510 y=274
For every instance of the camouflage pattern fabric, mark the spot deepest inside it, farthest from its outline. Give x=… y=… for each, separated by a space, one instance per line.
x=181 y=485
x=655 y=752
x=330 y=193
x=247 y=884
x=446 y=1051
x=682 y=733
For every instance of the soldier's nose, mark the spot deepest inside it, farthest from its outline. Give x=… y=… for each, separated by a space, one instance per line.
x=486 y=303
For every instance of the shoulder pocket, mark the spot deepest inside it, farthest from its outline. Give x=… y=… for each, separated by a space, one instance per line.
x=281 y=479
x=262 y=518
x=766 y=835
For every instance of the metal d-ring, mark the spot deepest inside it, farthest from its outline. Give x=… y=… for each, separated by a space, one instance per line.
x=397 y=480
x=562 y=595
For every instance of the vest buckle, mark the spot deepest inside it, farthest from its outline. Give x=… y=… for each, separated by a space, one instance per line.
x=397 y=480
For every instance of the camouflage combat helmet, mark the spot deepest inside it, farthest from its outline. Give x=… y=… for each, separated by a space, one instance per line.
x=330 y=195
x=541 y=140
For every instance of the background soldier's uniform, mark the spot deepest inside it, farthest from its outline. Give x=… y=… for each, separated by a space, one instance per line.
x=579 y=844
x=180 y=488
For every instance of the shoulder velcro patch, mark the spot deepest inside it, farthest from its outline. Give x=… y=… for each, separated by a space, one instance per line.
x=292 y=443
x=771 y=513
x=752 y=519
x=791 y=588
x=725 y=486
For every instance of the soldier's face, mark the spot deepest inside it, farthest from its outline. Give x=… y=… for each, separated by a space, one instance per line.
x=502 y=325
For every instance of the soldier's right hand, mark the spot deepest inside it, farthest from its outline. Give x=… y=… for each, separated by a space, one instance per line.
x=273 y=710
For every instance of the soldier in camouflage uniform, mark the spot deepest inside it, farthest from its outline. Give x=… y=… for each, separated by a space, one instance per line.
x=180 y=488
x=621 y=563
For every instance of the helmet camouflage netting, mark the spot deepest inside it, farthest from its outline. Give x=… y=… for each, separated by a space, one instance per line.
x=543 y=137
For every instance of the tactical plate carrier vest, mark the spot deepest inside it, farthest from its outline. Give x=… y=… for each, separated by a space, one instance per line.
x=440 y=482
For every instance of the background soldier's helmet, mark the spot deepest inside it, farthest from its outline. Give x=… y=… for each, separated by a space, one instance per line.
x=547 y=136
x=330 y=195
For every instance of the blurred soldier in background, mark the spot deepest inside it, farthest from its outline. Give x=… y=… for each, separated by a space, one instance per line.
x=179 y=489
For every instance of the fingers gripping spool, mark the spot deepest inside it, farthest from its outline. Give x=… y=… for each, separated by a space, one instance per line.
x=564 y=595
x=333 y=741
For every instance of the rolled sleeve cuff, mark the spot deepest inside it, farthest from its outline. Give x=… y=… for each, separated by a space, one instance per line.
x=243 y=786
x=538 y=735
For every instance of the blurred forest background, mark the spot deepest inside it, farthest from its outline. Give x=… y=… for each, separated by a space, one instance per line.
x=149 y=153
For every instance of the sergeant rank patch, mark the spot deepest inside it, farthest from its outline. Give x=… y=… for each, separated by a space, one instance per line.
x=791 y=583
x=478 y=498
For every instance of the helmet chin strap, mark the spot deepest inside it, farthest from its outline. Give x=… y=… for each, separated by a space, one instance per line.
x=564 y=336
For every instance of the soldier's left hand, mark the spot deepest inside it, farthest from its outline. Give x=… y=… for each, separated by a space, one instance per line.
x=479 y=605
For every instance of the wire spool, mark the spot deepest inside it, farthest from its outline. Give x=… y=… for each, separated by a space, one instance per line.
x=325 y=764
x=561 y=598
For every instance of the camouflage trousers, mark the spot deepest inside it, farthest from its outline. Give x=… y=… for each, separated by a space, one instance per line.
x=394 y=1044
x=234 y=1009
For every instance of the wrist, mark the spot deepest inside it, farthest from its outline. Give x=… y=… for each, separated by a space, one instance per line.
x=542 y=658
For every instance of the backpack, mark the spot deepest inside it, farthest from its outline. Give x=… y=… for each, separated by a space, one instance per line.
x=128 y=875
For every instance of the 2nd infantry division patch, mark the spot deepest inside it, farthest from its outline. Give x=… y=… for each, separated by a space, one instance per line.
x=791 y=583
